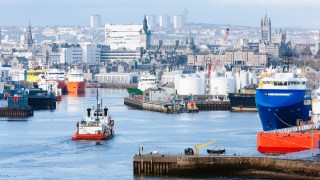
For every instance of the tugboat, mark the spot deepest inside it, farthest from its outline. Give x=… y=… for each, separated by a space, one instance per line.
x=95 y=125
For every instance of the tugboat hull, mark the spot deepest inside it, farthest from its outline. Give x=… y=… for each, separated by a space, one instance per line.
x=95 y=137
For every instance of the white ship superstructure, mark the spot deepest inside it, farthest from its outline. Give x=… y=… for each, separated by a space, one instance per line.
x=148 y=80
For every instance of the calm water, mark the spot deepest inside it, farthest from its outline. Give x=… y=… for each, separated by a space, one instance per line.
x=41 y=147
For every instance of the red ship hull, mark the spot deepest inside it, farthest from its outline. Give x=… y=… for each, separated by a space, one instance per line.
x=95 y=137
x=62 y=86
x=58 y=98
x=275 y=143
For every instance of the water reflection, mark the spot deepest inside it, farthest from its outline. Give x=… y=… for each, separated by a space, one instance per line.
x=43 y=143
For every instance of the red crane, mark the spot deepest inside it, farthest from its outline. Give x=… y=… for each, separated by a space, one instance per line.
x=223 y=44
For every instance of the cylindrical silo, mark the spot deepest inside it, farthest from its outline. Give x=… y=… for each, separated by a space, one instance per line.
x=222 y=86
x=191 y=84
x=244 y=79
x=238 y=82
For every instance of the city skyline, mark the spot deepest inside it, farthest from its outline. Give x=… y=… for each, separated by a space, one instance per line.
x=283 y=13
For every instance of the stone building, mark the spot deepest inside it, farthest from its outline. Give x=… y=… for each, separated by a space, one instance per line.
x=245 y=57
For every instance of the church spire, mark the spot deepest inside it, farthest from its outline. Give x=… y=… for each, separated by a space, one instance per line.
x=145 y=24
x=28 y=40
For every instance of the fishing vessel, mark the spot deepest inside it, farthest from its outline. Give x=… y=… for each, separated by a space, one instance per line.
x=95 y=125
x=282 y=98
x=75 y=82
x=293 y=139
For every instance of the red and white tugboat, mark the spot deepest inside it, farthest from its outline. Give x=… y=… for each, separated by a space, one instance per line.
x=95 y=125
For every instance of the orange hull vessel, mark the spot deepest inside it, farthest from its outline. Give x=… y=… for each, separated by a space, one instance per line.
x=275 y=143
x=76 y=87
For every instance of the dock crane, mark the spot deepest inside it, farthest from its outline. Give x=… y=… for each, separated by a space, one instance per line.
x=189 y=151
x=223 y=44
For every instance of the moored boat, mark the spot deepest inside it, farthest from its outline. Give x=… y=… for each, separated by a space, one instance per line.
x=216 y=151
x=293 y=139
x=95 y=125
x=32 y=75
x=93 y=84
x=56 y=75
x=242 y=101
x=76 y=83
x=148 y=80
x=282 y=99
x=277 y=143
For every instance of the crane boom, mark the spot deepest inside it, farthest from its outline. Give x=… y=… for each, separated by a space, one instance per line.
x=209 y=64
x=223 y=44
x=203 y=145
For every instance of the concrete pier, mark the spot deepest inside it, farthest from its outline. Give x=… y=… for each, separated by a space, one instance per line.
x=224 y=166
x=133 y=103
x=176 y=108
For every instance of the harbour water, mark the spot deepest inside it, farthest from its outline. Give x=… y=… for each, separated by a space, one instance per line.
x=41 y=147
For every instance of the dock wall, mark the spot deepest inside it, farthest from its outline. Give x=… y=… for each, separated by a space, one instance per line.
x=16 y=111
x=133 y=103
x=224 y=166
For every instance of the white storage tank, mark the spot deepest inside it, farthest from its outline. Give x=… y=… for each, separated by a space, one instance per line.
x=176 y=79
x=238 y=81
x=255 y=80
x=229 y=74
x=191 y=84
x=222 y=86
x=244 y=79
x=214 y=74
x=252 y=78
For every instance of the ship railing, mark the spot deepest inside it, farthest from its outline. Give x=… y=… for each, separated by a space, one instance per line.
x=298 y=128
x=84 y=123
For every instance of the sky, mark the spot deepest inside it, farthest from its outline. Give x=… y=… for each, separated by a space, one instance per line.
x=283 y=13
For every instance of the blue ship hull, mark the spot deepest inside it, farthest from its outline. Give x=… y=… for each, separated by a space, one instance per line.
x=281 y=108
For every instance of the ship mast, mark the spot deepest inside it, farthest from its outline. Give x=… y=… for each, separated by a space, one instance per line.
x=97 y=100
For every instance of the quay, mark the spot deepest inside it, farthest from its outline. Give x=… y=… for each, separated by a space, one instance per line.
x=213 y=105
x=223 y=166
x=16 y=111
x=119 y=85
x=176 y=108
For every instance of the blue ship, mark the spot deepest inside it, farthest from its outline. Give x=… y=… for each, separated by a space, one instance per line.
x=283 y=101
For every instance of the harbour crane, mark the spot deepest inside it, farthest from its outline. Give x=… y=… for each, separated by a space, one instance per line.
x=223 y=44
x=189 y=151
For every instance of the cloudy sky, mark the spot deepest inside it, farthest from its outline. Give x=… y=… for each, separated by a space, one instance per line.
x=283 y=13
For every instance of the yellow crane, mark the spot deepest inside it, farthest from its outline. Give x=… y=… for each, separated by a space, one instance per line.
x=202 y=145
